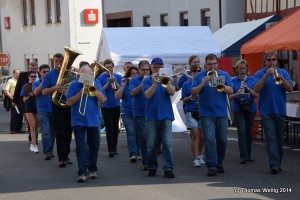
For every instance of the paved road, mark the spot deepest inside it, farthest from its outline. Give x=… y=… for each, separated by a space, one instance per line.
x=24 y=175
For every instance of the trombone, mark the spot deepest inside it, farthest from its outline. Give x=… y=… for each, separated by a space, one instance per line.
x=213 y=74
x=91 y=90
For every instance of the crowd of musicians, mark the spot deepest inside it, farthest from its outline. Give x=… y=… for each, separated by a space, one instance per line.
x=142 y=99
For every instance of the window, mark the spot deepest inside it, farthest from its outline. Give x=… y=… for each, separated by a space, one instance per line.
x=48 y=12
x=146 y=21
x=184 y=19
x=24 y=12
x=57 y=11
x=205 y=17
x=32 y=12
x=164 y=20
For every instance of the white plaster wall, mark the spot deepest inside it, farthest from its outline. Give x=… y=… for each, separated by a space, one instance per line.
x=43 y=40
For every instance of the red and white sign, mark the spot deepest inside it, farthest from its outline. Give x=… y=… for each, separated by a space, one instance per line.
x=7 y=22
x=4 y=59
x=91 y=16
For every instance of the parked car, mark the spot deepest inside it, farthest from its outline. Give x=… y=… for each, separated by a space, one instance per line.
x=3 y=81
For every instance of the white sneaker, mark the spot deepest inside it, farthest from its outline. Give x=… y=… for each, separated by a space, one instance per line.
x=35 y=149
x=31 y=147
x=196 y=163
x=200 y=159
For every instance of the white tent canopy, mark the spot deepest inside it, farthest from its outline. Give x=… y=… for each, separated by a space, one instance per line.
x=173 y=44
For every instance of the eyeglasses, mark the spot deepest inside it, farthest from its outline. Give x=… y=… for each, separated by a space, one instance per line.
x=241 y=68
x=212 y=64
x=145 y=69
x=32 y=76
x=271 y=59
x=45 y=72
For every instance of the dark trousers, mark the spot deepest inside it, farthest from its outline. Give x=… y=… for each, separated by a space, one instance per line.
x=111 y=118
x=63 y=130
x=16 y=120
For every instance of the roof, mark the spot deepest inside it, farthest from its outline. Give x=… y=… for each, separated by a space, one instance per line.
x=231 y=37
x=173 y=44
x=282 y=36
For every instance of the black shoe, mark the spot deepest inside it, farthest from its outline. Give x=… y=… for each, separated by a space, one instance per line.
x=152 y=172
x=12 y=132
x=145 y=168
x=243 y=162
x=62 y=163
x=279 y=169
x=69 y=162
x=20 y=131
x=211 y=173
x=52 y=155
x=220 y=170
x=111 y=154
x=47 y=156
x=133 y=159
x=274 y=171
x=250 y=160
x=116 y=153
x=169 y=174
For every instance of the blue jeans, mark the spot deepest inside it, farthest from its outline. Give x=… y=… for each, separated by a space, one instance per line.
x=215 y=131
x=274 y=130
x=129 y=125
x=142 y=137
x=48 y=137
x=87 y=146
x=244 y=124
x=155 y=130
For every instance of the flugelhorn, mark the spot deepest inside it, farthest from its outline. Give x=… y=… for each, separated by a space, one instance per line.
x=213 y=74
x=277 y=79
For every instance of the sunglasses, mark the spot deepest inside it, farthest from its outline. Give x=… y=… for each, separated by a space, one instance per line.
x=45 y=72
x=32 y=76
x=272 y=59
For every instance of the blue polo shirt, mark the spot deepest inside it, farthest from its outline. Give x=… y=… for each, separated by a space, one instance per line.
x=110 y=95
x=159 y=106
x=211 y=102
x=236 y=81
x=190 y=106
x=92 y=114
x=126 y=103
x=43 y=102
x=139 y=100
x=30 y=100
x=272 y=97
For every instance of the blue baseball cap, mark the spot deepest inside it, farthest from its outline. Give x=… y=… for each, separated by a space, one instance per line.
x=157 y=61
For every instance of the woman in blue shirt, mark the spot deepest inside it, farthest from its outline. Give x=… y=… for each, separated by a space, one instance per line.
x=31 y=111
x=127 y=112
x=244 y=108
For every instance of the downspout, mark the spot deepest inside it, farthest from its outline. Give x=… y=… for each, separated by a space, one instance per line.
x=220 y=13
x=103 y=15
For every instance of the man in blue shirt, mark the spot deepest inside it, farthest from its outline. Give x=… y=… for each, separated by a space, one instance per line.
x=272 y=105
x=159 y=116
x=43 y=104
x=138 y=107
x=111 y=108
x=61 y=115
x=85 y=124
x=213 y=112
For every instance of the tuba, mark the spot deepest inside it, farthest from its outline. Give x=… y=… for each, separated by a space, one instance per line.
x=213 y=74
x=66 y=75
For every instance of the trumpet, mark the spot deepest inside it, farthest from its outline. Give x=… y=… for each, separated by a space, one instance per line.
x=213 y=74
x=91 y=90
x=277 y=79
x=163 y=80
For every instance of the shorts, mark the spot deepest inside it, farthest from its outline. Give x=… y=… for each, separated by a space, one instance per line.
x=30 y=108
x=191 y=122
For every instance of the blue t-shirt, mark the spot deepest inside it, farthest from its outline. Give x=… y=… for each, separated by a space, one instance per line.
x=190 y=106
x=30 y=100
x=236 y=81
x=159 y=106
x=111 y=99
x=183 y=78
x=139 y=100
x=92 y=115
x=272 y=97
x=50 y=79
x=211 y=102
x=43 y=102
x=126 y=103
